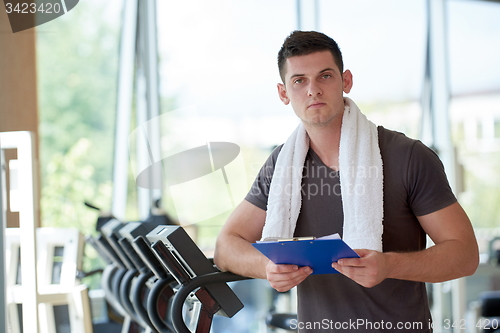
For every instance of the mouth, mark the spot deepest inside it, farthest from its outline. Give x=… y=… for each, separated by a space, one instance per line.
x=316 y=105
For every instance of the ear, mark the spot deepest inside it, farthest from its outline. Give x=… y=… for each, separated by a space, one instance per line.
x=282 y=94
x=347 y=81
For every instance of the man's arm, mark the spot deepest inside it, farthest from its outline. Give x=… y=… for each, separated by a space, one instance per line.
x=234 y=251
x=455 y=254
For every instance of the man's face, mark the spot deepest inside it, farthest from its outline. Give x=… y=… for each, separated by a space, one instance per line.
x=314 y=86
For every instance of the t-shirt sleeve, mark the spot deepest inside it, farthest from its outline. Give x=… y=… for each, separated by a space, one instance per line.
x=259 y=191
x=429 y=190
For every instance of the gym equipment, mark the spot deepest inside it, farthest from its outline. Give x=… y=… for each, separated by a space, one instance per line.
x=192 y=270
x=281 y=320
x=158 y=299
x=123 y=271
x=114 y=268
x=490 y=311
x=62 y=300
x=128 y=278
x=134 y=282
x=131 y=323
x=167 y=284
x=23 y=142
x=279 y=317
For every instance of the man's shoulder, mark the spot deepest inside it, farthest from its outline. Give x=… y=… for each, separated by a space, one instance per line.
x=271 y=160
x=393 y=139
x=397 y=144
x=397 y=150
x=277 y=149
x=402 y=155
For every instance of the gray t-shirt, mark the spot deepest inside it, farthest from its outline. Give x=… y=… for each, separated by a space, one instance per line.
x=414 y=185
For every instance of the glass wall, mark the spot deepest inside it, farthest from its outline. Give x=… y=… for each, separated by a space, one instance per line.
x=77 y=62
x=474 y=50
x=383 y=44
x=218 y=73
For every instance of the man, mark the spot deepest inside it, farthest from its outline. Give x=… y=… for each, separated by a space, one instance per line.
x=381 y=290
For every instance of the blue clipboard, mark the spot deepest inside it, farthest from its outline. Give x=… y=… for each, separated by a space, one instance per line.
x=319 y=254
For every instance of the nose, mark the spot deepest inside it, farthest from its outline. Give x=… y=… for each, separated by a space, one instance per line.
x=314 y=90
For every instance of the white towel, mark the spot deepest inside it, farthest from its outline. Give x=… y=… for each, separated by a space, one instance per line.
x=361 y=181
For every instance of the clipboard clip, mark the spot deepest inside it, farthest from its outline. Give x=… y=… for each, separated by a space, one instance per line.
x=294 y=239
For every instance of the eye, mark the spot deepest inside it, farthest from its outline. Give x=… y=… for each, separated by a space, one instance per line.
x=298 y=81
x=326 y=76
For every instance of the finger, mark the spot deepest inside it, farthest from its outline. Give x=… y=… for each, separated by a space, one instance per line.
x=282 y=286
x=284 y=268
x=274 y=268
x=306 y=271
x=285 y=282
x=299 y=273
x=349 y=271
x=341 y=269
x=353 y=262
x=295 y=276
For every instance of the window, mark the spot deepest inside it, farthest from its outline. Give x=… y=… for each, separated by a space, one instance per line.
x=474 y=78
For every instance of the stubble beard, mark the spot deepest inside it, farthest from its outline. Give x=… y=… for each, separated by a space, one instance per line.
x=322 y=124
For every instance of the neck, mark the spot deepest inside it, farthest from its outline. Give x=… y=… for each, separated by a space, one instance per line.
x=325 y=141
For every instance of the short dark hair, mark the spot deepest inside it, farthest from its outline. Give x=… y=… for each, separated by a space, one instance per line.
x=300 y=43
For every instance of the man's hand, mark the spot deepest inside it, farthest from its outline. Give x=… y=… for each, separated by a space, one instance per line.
x=368 y=271
x=285 y=277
